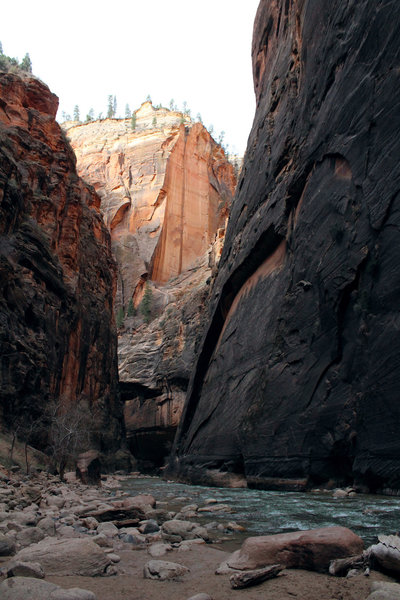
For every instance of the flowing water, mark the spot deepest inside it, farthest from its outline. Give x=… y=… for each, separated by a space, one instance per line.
x=263 y=512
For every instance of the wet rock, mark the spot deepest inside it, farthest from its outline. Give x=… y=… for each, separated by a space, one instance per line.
x=215 y=507
x=67 y=557
x=163 y=570
x=312 y=549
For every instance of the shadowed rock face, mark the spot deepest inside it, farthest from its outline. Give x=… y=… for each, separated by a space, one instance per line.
x=298 y=374
x=57 y=275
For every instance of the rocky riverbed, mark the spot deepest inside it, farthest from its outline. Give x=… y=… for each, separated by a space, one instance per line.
x=69 y=541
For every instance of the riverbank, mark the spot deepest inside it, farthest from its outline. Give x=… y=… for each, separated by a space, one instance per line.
x=42 y=512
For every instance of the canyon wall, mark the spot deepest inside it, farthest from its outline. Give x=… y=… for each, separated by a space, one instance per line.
x=166 y=188
x=57 y=274
x=297 y=377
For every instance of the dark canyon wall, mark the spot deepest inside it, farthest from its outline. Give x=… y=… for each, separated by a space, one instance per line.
x=57 y=275
x=298 y=376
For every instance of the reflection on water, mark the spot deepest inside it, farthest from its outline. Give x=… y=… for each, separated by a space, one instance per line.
x=263 y=512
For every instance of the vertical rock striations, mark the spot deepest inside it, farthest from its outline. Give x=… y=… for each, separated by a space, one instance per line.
x=166 y=189
x=298 y=375
x=57 y=275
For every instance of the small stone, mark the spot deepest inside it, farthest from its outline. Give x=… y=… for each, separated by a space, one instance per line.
x=109 y=529
x=163 y=570
x=149 y=526
x=114 y=557
x=101 y=540
x=111 y=570
x=201 y=596
x=352 y=573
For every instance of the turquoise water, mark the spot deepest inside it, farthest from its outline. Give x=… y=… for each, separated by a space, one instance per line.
x=262 y=512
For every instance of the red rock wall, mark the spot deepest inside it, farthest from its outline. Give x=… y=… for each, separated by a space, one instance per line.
x=165 y=191
x=57 y=275
x=198 y=188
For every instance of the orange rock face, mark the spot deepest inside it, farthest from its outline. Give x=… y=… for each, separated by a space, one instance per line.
x=57 y=275
x=165 y=191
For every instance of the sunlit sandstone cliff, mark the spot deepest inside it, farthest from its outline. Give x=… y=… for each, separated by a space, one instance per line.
x=297 y=377
x=57 y=275
x=165 y=189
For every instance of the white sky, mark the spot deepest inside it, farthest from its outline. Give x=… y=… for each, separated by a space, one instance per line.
x=198 y=52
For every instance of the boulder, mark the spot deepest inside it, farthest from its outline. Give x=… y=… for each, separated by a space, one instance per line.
x=88 y=467
x=16 y=568
x=383 y=590
x=312 y=549
x=163 y=570
x=67 y=557
x=176 y=531
x=109 y=529
x=47 y=526
x=386 y=553
x=7 y=545
x=30 y=535
x=149 y=526
x=27 y=588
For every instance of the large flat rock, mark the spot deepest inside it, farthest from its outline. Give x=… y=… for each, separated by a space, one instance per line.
x=67 y=557
x=312 y=549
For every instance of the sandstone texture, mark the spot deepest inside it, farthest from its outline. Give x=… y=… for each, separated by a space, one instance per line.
x=57 y=274
x=297 y=376
x=155 y=361
x=312 y=549
x=166 y=189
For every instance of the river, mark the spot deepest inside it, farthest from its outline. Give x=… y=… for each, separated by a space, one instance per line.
x=264 y=512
